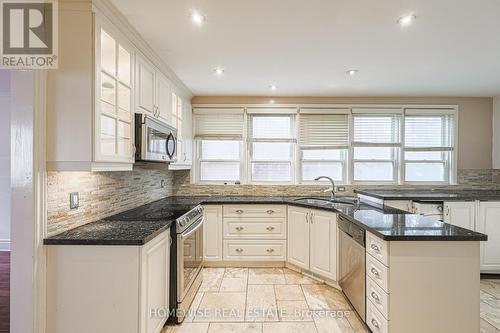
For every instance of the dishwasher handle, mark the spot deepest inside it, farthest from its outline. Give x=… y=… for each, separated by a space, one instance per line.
x=354 y=231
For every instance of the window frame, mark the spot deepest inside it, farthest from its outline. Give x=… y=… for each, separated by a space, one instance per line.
x=200 y=160
x=249 y=148
x=296 y=159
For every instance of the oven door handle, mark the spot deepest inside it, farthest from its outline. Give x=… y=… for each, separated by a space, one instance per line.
x=193 y=228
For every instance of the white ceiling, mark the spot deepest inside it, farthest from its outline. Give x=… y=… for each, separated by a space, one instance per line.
x=306 y=46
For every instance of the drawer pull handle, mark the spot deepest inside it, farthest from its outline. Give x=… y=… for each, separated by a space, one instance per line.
x=239 y=250
x=270 y=228
x=375 y=248
x=270 y=250
x=375 y=296
x=239 y=211
x=239 y=228
x=375 y=272
x=270 y=211
x=375 y=323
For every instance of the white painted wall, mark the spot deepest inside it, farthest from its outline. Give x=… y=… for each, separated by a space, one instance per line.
x=23 y=228
x=496 y=132
x=4 y=160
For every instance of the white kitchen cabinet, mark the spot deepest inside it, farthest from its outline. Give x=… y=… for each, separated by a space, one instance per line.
x=298 y=236
x=460 y=213
x=111 y=288
x=323 y=243
x=312 y=240
x=153 y=92
x=488 y=223
x=90 y=97
x=405 y=205
x=212 y=233
x=183 y=119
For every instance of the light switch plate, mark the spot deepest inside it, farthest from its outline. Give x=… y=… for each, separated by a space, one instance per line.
x=74 y=200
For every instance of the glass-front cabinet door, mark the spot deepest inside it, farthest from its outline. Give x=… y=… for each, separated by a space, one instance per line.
x=113 y=116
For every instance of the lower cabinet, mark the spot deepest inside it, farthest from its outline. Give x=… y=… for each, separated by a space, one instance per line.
x=212 y=233
x=460 y=213
x=488 y=223
x=102 y=289
x=312 y=240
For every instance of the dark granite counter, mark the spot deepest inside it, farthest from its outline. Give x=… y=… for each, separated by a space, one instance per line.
x=388 y=224
x=433 y=195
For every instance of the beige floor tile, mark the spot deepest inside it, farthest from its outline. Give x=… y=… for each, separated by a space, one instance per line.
x=261 y=303
x=291 y=292
x=233 y=284
x=192 y=309
x=330 y=324
x=282 y=327
x=221 y=307
x=490 y=309
x=235 y=328
x=266 y=276
x=492 y=287
x=321 y=297
x=294 y=311
x=292 y=277
x=212 y=279
x=357 y=325
x=486 y=327
x=236 y=272
x=187 y=328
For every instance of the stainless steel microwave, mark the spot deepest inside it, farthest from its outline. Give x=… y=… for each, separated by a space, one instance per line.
x=155 y=141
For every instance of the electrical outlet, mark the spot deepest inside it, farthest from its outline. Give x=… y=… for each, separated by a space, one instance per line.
x=341 y=188
x=74 y=200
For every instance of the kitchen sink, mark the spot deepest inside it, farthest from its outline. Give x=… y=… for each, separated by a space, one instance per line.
x=325 y=201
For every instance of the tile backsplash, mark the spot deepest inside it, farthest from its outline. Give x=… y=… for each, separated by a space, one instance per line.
x=101 y=194
x=106 y=193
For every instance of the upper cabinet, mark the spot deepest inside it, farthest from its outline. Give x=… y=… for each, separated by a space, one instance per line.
x=102 y=80
x=182 y=117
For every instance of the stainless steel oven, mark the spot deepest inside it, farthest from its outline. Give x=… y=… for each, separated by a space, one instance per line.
x=155 y=141
x=188 y=261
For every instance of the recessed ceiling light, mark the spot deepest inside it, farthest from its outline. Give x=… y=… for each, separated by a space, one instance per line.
x=406 y=20
x=197 y=18
x=219 y=71
x=352 y=72
x=273 y=87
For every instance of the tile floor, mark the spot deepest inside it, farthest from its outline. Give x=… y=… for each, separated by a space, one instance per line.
x=276 y=300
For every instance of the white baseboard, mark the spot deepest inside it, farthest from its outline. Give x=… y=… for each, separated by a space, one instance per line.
x=4 y=244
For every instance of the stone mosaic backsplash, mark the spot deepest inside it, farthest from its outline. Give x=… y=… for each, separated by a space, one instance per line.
x=101 y=194
x=467 y=179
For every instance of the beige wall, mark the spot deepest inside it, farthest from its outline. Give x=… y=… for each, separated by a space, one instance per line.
x=475 y=124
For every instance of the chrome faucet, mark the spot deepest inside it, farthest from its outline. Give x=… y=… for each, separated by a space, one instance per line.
x=332 y=189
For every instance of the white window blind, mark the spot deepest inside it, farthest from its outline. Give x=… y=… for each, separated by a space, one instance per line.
x=323 y=130
x=218 y=124
x=429 y=131
x=376 y=129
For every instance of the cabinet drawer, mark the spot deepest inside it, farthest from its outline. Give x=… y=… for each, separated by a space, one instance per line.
x=272 y=228
x=377 y=272
x=375 y=320
x=254 y=211
x=378 y=248
x=378 y=297
x=255 y=250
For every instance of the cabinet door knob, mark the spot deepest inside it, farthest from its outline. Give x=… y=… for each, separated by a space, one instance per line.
x=270 y=250
x=270 y=228
x=375 y=323
x=239 y=211
x=375 y=248
x=270 y=211
x=239 y=228
x=239 y=250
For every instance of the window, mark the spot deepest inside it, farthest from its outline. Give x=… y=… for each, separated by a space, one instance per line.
x=323 y=141
x=376 y=145
x=271 y=148
x=359 y=145
x=428 y=145
x=219 y=135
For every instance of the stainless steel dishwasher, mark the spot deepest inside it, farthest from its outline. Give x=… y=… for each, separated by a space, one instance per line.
x=352 y=264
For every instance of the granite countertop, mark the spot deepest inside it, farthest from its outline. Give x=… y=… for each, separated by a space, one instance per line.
x=388 y=224
x=432 y=195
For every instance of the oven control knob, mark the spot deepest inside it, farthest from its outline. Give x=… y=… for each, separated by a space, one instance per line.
x=182 y=222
